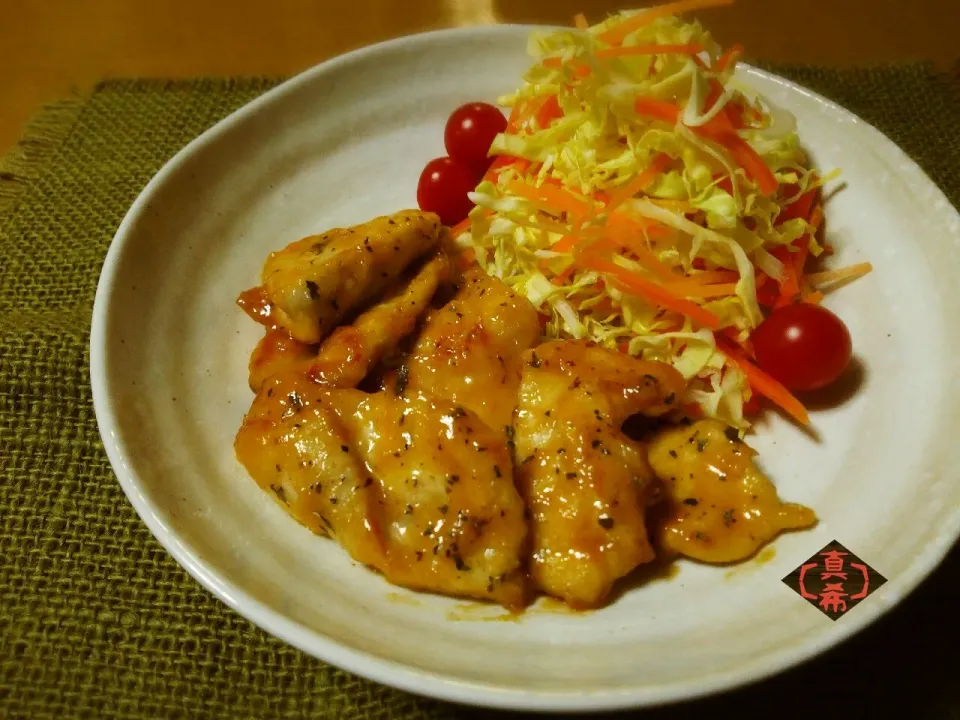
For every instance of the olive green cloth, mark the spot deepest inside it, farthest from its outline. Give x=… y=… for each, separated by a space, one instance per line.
x=97 y=621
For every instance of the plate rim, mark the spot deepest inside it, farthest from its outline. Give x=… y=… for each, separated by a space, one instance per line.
x=390 y=672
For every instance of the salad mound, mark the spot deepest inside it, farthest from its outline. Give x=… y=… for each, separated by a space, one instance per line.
x=645 y=198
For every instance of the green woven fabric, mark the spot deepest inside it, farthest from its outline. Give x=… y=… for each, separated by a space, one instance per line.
x=97 y=621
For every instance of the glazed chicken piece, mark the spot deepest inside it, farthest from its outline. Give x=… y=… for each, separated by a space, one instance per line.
x=582 y=478
x=278 y=353
x=420 y=490
x=313 y=283
x=346 y=357
x=470 y=350
x=719 y=507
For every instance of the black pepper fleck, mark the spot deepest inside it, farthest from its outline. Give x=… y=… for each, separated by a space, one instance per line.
x=403 y=377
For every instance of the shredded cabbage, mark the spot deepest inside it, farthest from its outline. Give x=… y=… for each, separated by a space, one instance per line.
x=685 y=206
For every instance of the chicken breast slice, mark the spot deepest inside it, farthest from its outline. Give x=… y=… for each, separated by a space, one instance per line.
x=718 y=506
x=314 y=282
x=582 y=478
x=350 y=352
x=277 y=353
x=417 y=489
x=469 y=351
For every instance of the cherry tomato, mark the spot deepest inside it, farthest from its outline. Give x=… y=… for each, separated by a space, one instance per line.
x=804 y=346
x=470 y=131
x=443 y=187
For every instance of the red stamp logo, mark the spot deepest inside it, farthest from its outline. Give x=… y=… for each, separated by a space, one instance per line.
x=834 y=580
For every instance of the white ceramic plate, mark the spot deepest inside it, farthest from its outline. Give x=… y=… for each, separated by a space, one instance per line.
x=346 y=141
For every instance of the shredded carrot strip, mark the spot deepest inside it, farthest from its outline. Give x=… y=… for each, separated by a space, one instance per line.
x=522 y=111
x=747 y=158
x=652 y=49
x=460 y=227
x=581 y=70
x=640 y=182
x=680 y=206
x=615 y=35
x=733 y=335
x=851 y=272
x=656 y=294
x=580 y=21
x=548 y=112
x=708 y=277
x=763 y=383
x=702 y=291
x=720 y=130
x=729 y=57
x=565 y=243
x=814 y=298
x=551 y=196
x=635 y=245
x=628 y=231
x=658 y=110
x=816 y=217
x=518 y=116
x=502 y=162
x=799 y=208
x=561 y=277
x=499 y=162
x=790 y=284
x=621 y=223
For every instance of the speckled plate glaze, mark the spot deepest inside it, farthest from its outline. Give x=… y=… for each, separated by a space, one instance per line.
x=346 y=141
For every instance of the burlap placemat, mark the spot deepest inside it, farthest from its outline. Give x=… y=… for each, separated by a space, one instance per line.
x=97 y=621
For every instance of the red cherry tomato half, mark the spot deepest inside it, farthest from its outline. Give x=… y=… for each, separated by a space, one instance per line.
x=470 y=131
x=804 y=346
x=443 y=187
